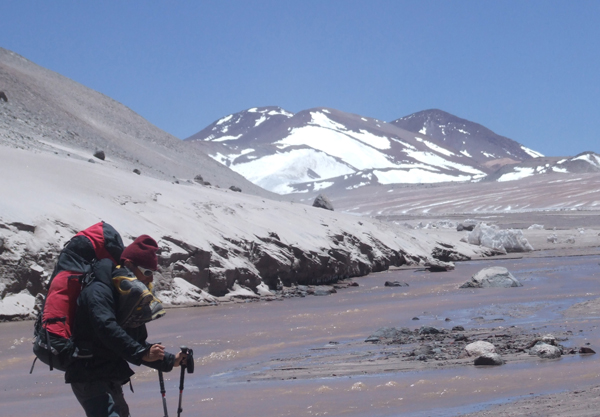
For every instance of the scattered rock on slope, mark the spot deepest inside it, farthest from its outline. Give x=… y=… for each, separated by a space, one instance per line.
x=323 y=202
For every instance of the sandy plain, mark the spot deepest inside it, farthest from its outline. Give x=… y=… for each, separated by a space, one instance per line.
x=308 y=356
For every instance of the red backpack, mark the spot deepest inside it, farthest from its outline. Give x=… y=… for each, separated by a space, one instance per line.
x=53 y=330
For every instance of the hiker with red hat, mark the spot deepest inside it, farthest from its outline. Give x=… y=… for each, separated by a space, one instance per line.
x=110 y=330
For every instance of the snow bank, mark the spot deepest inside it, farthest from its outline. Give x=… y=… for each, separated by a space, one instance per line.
x=502 y=240
x=210 y=238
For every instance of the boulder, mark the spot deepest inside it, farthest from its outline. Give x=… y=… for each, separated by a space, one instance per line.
x=323 y=202
x=429 y=330
x=236 y=189
x=489 y=358
x=479 y=348
x=546 y=351
x=100 y=155
x=495 y=276
x=395 y=284
x=435 y=265
x=467 y=225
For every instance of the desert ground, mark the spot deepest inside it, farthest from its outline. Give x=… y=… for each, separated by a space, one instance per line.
x=309 y=355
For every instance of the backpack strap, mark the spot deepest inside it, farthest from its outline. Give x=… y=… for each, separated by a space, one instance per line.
x=32 y=365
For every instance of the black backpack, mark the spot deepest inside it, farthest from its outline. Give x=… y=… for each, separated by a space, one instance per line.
x=53 y=331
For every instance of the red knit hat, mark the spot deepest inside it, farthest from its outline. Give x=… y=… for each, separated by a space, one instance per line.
x=142 y=252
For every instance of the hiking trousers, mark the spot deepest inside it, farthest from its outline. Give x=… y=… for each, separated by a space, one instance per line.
x=101 y=398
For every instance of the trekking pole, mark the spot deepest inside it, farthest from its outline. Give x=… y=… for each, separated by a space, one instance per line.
x=161 y=380
x=189 y=364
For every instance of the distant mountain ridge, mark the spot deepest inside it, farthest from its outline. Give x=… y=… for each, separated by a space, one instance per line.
x=583 y=163
x=320 y=148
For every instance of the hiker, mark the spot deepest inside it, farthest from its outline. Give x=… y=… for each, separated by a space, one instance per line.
x=110 y=330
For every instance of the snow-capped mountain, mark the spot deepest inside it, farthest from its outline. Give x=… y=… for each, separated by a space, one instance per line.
x=320 y=148
x=585 y=162
x=489 y=149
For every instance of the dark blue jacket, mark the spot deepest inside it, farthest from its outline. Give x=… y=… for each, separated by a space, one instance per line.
x=98 y=334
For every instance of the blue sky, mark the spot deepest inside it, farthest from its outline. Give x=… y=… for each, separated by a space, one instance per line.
x=528 y=70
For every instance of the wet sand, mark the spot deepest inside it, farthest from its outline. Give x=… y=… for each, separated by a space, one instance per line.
x=307 y=356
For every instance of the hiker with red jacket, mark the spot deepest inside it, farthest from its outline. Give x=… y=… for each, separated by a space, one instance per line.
x=110 y=330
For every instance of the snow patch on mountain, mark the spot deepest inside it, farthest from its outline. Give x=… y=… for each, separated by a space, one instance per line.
x=531 y=152
x=337 y=144
x=435 y=147
x=274 y=172
x=224 y=119
x=517 y=174
x=226 y=138
x=436 y=160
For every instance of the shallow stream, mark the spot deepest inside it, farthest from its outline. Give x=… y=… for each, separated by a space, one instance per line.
x=233 y=341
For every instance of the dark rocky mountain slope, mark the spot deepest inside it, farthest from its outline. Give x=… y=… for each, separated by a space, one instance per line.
x=471 y=139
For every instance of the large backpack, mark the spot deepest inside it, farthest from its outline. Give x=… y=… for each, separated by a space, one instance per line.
x=53 y=330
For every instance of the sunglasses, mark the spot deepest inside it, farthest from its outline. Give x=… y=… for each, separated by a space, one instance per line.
x=147 y=272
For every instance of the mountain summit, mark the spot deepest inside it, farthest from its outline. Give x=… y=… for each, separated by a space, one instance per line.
x=471 y=139
x=320 y=148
